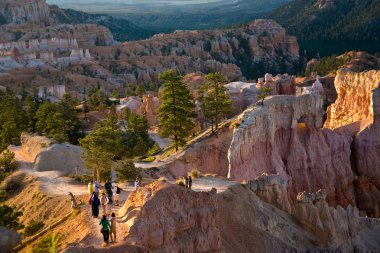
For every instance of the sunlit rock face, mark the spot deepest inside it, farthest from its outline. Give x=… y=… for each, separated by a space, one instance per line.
x=354 y=102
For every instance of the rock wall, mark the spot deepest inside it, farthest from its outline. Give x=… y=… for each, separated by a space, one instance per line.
x=150 y=105
x=168 y=218
x=25 y=11
x=284 y=137
x=242 y=95
x=354 y=102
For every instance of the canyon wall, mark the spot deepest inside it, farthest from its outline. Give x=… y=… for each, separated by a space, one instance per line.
x=24 y=11
x=168 y=218
x=284 y=136
x=354 y=102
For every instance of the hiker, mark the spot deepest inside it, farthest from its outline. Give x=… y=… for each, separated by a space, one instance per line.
x=113 y=227
x=105 y=229
x=91 y=188
x=95 y=203
x=104 y=201
x=96 y=187
x=186 y=182
x=190 y=182
x=117 y=195
x=137 y=184
x=108 y=186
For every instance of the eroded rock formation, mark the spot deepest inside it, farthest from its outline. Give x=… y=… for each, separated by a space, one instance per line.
x=8 y=239
x=284 y=137
x=168 y=218
x=354 y=102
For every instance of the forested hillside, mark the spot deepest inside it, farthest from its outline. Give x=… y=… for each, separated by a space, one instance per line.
x=343 y=26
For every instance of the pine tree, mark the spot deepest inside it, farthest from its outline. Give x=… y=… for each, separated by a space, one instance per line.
x=177 y=109
x=216 y=102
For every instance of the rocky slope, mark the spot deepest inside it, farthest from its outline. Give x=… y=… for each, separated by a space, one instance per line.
x=168 y=218
x=24 y=11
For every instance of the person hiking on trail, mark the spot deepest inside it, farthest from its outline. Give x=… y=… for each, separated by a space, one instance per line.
x=117 y=195
x=91 y=188
x=137 y=184
x=190 y=182
x=105 y=229
x=108 y=186
x=104 y=202
x=113 y=227
x=96 y=187
x=95 y=203
x=186 y=182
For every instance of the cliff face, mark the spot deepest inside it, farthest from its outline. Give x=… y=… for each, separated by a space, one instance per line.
x=169 y=218
x=284 y=137
x=354 y=102
x=24 y=11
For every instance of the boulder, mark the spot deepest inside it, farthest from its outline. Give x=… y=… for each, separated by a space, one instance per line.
x=49 y=156
x=8 y=239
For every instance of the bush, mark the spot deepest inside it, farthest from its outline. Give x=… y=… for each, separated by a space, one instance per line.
x=180 y=182
x=194 y=173
x=9 y=185
x=10 y=218
x=33 y=227
x=149 y=159
x=81 y=178
x=48 y=245
x=126 y=170
x=8 y=162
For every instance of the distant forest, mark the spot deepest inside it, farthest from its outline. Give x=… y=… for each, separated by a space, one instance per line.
x=347 y=25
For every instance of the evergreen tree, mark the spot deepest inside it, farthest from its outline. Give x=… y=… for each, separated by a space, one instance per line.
x=177 y=109
x=101 y=148
x=13 y=120
x=59 y=120
x=216 y=102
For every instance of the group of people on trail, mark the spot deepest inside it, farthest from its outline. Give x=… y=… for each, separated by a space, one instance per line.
x=188 y=182
x=110 y=196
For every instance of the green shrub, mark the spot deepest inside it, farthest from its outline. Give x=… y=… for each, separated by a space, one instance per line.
x=33 y=227
x=8 y=162
x=194 y=173
x=9 y=218
x=180 y=182
x=81 y=178
x=48 y=245
x=149 y=159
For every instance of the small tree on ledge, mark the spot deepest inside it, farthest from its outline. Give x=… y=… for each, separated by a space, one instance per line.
x=264 y=92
